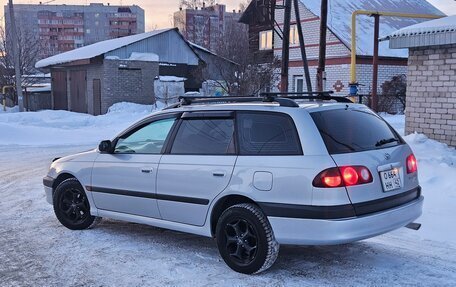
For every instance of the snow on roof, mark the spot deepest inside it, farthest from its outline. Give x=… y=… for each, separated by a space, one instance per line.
x=201 y=48
x=446 y=24
x=135 y=56
x=339 y=21
x=171 y=79
x=97 y=49
x=39 y=88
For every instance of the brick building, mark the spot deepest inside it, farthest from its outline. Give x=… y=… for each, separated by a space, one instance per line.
x=338 y=49
x=60 y=28
x=431 y=78
x=206 y=26
x=92 y=78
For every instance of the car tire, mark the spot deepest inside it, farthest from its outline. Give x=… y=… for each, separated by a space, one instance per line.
x=72 y=207
x=245 y=239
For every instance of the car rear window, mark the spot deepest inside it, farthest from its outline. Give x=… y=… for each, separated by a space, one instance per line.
x=350 y=130
x=263 y=133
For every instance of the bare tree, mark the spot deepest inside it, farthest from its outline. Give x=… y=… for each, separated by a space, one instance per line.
x=195 y=4
x=392 y=99
x=243 y=5
x=30 y=51
x=245 y=77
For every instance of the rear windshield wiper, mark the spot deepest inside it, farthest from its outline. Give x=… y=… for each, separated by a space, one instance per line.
x=386 y=141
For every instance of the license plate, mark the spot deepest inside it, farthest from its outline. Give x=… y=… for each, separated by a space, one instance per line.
x=390 y=179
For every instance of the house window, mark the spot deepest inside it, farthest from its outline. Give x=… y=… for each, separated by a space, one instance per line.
x=266 y=40
x=294 y=36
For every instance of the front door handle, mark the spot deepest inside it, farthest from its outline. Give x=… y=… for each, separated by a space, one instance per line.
x=146 y=170
x=218 y=174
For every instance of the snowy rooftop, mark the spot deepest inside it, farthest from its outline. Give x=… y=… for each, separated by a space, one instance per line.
x=446 y=24
x=97 y=49
x=339 y=21
x=435 y=32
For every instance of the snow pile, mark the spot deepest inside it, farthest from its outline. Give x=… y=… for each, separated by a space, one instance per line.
x=54 y=128
x=14 y=109
x=437 y=176
x=396 y=121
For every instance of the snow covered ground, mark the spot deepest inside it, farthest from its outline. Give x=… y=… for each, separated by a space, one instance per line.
x=35 y=250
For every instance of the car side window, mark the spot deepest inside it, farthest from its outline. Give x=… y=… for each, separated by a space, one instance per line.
x=267 y=134
x=148 y=139
x=205 y=137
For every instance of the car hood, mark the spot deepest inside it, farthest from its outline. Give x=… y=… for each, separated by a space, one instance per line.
x=86 y=156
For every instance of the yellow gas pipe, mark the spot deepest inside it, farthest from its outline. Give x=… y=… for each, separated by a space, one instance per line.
x=370 y=13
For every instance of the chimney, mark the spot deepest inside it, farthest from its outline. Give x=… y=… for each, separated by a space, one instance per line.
x=204 y=5
x=234 y=10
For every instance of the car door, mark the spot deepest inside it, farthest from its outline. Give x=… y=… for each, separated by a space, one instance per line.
x=197 y=166
x=125 y=180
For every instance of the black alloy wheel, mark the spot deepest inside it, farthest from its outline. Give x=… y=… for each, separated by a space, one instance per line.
x=241 y=241
x=74 y=205
x=245 y=239
x=71 y=205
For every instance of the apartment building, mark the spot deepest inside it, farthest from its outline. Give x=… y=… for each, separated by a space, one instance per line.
x=60 y=28
x=206 y=26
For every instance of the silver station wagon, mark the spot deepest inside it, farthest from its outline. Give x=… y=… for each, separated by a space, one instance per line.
x=252 y=172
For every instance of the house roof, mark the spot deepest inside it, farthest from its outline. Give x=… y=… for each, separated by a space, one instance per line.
x=435 y=32
x=97 y=49
x=339 y=21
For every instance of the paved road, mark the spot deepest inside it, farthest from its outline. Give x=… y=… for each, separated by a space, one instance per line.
x=35 y=250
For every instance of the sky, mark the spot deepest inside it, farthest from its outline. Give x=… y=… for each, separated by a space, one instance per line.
x=159 y=12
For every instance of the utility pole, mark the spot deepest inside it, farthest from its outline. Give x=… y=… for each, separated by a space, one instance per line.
x=321 y=77
x=285 y=48
x=305 y=63
x=16 y=55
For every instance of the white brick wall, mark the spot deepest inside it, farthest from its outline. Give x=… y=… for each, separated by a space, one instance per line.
x=431 y=93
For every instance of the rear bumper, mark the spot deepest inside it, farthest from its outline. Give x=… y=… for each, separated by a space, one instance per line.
x=304 y=231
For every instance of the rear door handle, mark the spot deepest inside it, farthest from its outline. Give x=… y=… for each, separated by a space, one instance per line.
x=146 y=170
x=218 y=174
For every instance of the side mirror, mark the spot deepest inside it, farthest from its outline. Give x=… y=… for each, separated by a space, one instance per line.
x=105 y=146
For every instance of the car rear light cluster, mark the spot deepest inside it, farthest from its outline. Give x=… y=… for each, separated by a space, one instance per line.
x=411 y=164
x=343 y=176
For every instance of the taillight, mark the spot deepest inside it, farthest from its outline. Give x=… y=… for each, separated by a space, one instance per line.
x=342 y=176
x=411 y=164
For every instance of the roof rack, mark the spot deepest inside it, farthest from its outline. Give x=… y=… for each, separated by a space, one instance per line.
x=283 y=99
x=320 y=96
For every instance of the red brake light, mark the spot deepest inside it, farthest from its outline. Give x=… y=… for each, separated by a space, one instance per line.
x=343 y=176
x=332 y=181
x=411 y=164
x=328 y=178
x=350 y=175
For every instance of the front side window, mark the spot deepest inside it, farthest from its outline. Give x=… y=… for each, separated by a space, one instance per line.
x=148 y=139
x=267 y=134
x=204 y=137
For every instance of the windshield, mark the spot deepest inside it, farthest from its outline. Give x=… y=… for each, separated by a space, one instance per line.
x=354 y=130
